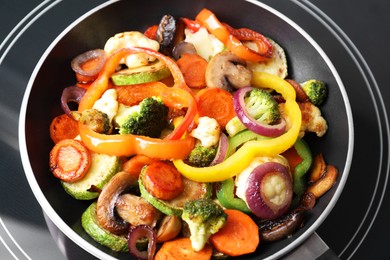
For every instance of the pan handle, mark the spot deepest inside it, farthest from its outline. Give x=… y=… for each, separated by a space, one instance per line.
x=313 y=248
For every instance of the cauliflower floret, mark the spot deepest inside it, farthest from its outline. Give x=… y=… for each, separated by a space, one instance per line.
x=241 y=179
x=208 y=131
x=132 y=39
x=107 y=104
x=312 y=120
x=206 y=45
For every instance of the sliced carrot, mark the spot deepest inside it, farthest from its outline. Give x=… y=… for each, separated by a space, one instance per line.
x=292 y=157
x=125 y=94
x=193 y=67
x=88 y=66
x=135 y=164
x=69 y=160
x=239 y=235
x=63 y=127
x=216 y=103
x=181 y=249
x=162 y=180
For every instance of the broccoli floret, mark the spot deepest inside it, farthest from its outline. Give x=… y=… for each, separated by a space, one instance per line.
x=201 y=156
x=149 y=119
x=315 y=90
x=96 y=120
x=261 y=105
x=204 y=218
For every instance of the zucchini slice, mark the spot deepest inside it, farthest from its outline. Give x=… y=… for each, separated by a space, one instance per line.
x=103 y=167
x=152 y=72
x=91 y=225
x=192 y=190
x=276 y=66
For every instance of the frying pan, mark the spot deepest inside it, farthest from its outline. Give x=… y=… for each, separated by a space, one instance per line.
x=53 y=73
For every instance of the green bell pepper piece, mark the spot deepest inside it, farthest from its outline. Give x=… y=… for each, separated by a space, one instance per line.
x=226 y=197
x=302 y=168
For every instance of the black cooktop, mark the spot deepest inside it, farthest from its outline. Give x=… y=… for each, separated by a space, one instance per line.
x=357 y=228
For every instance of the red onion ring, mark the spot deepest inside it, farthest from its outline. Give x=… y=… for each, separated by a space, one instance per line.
x=79 y=60
x=139 y=232
x=257 y=200
x=71 y=94
x=222 y=150
x=251 y=123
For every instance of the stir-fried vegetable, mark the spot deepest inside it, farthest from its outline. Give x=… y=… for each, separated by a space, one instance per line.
x=208 y=158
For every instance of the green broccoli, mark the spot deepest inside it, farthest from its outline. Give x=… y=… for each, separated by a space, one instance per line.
x=204 y=218
x=261 y=105
x=96 y=120
x=201 y=156
x=315 y=90
x=149 y=118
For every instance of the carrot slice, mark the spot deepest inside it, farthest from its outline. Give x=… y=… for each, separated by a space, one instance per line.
x=162 y=180
x=181 y=248
x=69 y=160
x=87 y=66
x=63 y=127
x=216 y=103
x=135 y=164
x=193 y=68
x=239 y=235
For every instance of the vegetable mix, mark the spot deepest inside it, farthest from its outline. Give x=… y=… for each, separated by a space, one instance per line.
x=189 y=141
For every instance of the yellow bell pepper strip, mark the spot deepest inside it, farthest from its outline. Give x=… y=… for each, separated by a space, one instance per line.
x=222 y=33
x=178 y=96
x=238 y=161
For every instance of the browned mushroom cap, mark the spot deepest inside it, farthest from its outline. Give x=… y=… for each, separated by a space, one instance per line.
x=169 y=228
x=136 y=210
x=106 y=202
x=276 y=229
x=227 y=71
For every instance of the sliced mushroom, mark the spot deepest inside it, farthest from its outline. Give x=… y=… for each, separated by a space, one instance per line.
x=105 y=208
x=169 y=228
x=136 y=210
x=286 y=225
x=273 y=230
x=227 y=71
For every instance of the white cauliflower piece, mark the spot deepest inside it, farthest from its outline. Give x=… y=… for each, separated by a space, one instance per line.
x=206 y=45
x=208 y=131
x=107 y=103
x=241 y=179
x=312 y=119
x=132 y=39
